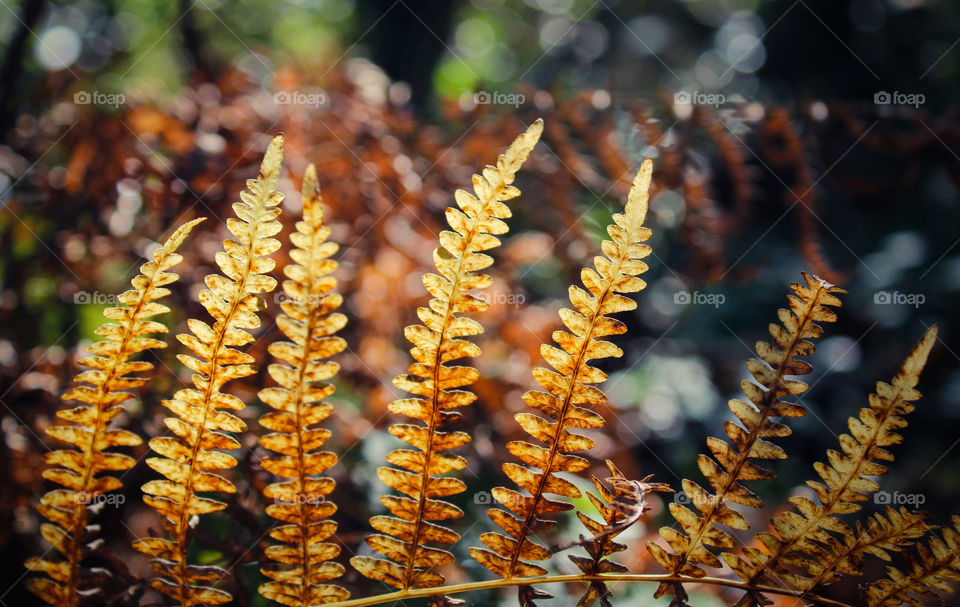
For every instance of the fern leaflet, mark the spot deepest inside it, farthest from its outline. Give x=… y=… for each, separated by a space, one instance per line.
x=101 y=391
x=189 y=459
x=301 y=563
x=568 y=387
x=438 y=386
x=807 y=306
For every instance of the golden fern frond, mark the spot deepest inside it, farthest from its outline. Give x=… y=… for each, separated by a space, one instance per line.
x=568 y=387
x=301 y=563
x=438 y=386
x=620 y=505
x=730 y=465
x=101 y=391
x=882 y=534
x=847 y=481
x=189 y=459
x=928 y=572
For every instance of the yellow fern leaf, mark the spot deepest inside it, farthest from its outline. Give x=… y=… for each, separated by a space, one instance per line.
x=189 y=460
x=848 y=479
x=100 y=393
x=568 y=394
x=437 y=386
x=730 y=465
x=300 y=564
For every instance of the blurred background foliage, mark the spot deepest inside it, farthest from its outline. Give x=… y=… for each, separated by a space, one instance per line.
x=121 y=118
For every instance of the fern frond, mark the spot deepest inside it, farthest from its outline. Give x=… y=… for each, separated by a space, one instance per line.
x=189 y=460
x=847 y=481
x=568 y=388
x=620 y=506
x=100 y=393
x=731 y=465
x=437 y=386
x=928 y=572
x=882 y=534
x=301 y=563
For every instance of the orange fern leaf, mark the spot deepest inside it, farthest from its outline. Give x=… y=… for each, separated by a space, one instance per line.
x=101 y=391
x=437 y=386
x=301 y=563
x=731 y=465
x=189 y=459
x=568 y=388
x=848 y=479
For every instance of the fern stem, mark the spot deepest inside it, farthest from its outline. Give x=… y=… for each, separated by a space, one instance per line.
x=392 y=597
x=764 y=411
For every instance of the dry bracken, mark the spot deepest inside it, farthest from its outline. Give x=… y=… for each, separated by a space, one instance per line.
x=189 y=460
x=300 y=564
x=100 y=393
x=730 y=465
x=438 y=386
x=848 y=479
x=569 y=393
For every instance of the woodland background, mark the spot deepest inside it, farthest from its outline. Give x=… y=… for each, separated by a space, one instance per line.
x=120 y=117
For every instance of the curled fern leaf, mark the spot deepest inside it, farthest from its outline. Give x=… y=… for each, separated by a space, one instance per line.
x=569 y=393
x=100 y=393
x=301 y=565
x=438 y=386
x=621 y=504
x=189 y=460
x=847 y=481
x=927 y=574
x=730 y=465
